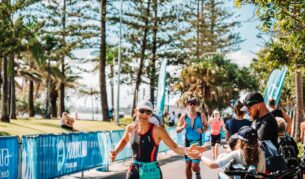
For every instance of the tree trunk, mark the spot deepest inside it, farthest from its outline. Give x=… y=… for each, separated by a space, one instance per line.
x=154 y=54
x=8 y=92
x=1 y=80
x=31 y=99
x=62 y=85
x=47 y=112
x=213 y=24
x=198 y=29
x=112 y=85
x=142 y=57
x=102 y=66
x=53 y=99
x=299 y=102
x=13 y=90
x=4 y=113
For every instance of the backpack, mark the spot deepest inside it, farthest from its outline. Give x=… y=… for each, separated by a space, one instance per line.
x=274 y=160
x=288 y=151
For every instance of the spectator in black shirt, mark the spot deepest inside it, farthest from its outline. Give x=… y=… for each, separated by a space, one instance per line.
x=234 y=124
x=263 y=121
x=280 y=113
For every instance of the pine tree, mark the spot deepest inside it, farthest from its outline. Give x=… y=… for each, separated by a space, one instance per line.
x=137 y=21
x=208 y=27
x=66 y=21
x=161 y=39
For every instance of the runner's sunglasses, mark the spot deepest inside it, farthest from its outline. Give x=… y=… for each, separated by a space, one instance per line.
x=147 y=111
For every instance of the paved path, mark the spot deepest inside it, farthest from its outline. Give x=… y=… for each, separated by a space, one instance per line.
x=172 y=167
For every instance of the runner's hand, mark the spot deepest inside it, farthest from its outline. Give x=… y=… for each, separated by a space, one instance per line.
x=197 y=148
x=113 y=155
x=199 y=130
x=194 y=152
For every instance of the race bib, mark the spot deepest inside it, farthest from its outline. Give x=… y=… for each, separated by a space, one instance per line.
x=149 y=171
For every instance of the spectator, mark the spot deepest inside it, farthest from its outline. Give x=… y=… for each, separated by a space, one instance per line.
x=172 y=119
x=66 y=121
x=262 y=120
x=232 y=144
x=280 y=113
x=288 y=146
x=234 y=124
x=248 y=153
x=110 y=114
x=179 y=115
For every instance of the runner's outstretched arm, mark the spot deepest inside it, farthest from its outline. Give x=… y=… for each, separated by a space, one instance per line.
x=161 y=134
x=208 y=162
x=121 y=145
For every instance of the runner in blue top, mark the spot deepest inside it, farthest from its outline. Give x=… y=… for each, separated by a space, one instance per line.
x=194 y=124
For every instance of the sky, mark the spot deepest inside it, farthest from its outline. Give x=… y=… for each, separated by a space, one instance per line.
x=242 y=57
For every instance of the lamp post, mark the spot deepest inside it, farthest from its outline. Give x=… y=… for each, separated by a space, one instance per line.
x=119 y=68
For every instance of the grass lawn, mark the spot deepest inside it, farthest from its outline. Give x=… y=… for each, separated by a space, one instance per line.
x=27 y=126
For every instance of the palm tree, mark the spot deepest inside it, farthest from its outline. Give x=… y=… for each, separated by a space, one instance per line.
x=93 y=93
x=214 y=81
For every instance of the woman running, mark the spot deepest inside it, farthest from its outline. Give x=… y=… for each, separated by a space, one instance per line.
x=145 y=138
x=216 y=124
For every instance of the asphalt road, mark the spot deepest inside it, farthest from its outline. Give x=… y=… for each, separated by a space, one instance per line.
x=173 y=168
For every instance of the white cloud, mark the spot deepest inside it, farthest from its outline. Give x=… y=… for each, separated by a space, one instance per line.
x=241 y=58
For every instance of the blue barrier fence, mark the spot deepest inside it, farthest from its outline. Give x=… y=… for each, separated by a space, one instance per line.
x=49 y=156
x=9 y=157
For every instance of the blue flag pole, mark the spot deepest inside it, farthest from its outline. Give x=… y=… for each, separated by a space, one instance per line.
x=275 y=85
x=161 y=89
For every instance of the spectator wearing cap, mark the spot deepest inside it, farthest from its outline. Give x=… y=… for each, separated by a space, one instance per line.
x=232 y=144
x=194 y=123
x=262 y=120
x=144 y=138
x=248 y=154
x=276 y=112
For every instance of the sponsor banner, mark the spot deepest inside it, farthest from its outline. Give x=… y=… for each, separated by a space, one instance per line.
x=274 y=85
x=49 y=156
x=9 y=157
